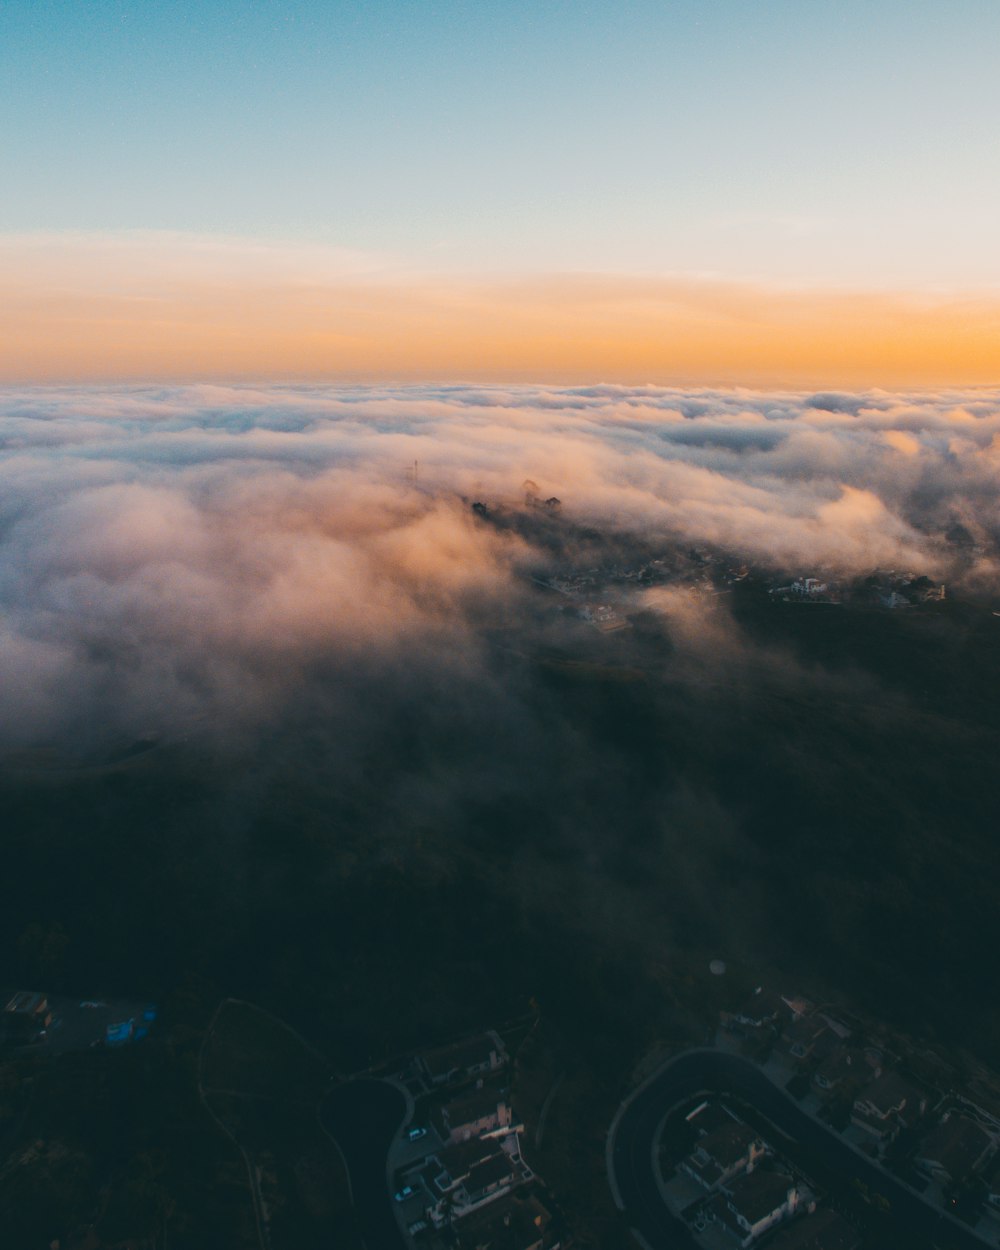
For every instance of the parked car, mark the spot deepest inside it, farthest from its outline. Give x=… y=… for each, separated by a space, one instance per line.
x=401 y=1195
x=415 y=1134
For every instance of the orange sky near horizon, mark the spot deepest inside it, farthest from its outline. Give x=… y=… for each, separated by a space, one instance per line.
x=171 y=310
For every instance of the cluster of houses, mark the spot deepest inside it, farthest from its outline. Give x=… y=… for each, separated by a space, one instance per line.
x=806 y=588
x=884 y=588
x=474 y=1189
x=908 y=1109
x=604 y=617
x=747 y=1190
x=888 y=588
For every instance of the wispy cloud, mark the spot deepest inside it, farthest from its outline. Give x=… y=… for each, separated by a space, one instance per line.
x=170 y=306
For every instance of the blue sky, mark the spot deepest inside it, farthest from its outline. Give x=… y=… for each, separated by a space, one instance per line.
x=791 y=141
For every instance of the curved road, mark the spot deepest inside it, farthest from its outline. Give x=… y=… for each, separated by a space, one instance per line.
x=362 y=1117
x=633 y=1146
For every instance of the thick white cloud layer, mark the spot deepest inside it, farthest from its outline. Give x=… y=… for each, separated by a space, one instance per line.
x=168 y=555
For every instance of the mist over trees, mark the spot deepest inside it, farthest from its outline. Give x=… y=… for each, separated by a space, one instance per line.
x=282 y=709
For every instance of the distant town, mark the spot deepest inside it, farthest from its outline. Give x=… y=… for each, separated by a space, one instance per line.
x=606 y=594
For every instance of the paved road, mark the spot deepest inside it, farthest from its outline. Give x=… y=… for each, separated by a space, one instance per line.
x=363 y=1117
x=634 y=1141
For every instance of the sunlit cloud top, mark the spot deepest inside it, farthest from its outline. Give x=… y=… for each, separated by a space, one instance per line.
x=173 y=552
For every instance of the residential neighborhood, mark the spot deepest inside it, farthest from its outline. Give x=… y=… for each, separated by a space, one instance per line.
x=733 y=1186
x=897 y=1102
x=459 y=1178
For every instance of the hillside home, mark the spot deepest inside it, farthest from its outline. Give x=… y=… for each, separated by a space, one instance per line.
x=886 y=1105
x=847 y=1067
x=802 y=1036
x=722 y=1154
x=825 y=1230
x=755 y=1202
x=482 y=1113
x=953 y=1149
x=762 y=1009
x=477 y=1056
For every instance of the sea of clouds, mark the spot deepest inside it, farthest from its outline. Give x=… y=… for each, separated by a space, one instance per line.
x=181 y=555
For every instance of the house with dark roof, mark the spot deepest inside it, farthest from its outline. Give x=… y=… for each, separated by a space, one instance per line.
x=824 y=1230
x=803 y=1034
x=483 y=1112
x=462 y=1179
x=884 y=1106
x=445 y=1170
x=840 y=1025
x=709 y=1116
x=490 y=1176
x=989 y=1174
x=751 y=1204
x=515 y=1221
x=798 y=1006
x=721 y=1154
x=763 y=1008
x=847 y=1067
x=953 y=1149
x=477 y=1056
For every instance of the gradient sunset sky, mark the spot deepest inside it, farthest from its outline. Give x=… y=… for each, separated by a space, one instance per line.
x=693 y=191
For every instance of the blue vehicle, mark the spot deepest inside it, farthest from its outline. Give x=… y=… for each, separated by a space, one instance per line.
x=120 y=1033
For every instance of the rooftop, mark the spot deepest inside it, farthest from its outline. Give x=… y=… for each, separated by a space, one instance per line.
x=476 y=1107
x=887 y=1092
x=512 y=1222
x=846 y=1063
x=461 y=1056
x=490 y=1172
x=756 y=1194
x=457 y=1159
x=729 y=1144
x=709 y=1117
x=761 y=1006
x=826 y=1230
x=956 y=1144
